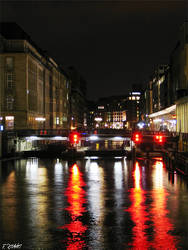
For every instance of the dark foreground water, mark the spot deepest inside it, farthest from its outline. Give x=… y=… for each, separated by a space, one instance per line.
x=92 y=204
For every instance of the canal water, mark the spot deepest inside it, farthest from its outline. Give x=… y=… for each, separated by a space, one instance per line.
x=93 y=203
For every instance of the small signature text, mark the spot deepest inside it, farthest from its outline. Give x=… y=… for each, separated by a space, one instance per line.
x=11 y=246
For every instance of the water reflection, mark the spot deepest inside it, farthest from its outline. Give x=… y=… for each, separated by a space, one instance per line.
x=9 y=203
x=76 y=199
x=155 y=219
x=138 y=212
x=96 y=200
x=38 y=195
x=81 y=206
x=163 y=227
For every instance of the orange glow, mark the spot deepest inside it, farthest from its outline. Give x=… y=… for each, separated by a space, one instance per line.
x=137 y=176
x=138 y=212
x=76 y=198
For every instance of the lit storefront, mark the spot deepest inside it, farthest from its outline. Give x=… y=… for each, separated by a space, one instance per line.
x=182 y=114
x=164 y=119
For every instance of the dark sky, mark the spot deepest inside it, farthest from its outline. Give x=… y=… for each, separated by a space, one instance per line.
x=112 y=43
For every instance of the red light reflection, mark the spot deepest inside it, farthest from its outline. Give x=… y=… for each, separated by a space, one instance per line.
x=76 y=198
x=138 y=212
x=159 y=213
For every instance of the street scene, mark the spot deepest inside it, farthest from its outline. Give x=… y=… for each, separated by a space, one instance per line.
x=94 y=125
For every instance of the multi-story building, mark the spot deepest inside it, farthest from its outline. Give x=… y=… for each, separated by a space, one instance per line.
x=110 y=112
x=78 y=102
x=34 y=89
x=169 y=88
x=179 y=78
x=159 y=104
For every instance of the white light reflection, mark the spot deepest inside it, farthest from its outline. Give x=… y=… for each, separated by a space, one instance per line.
x=96 y=198
x=118 y=174
x=32 y=169
x=125 y=170
x=38 y=187
x=158 y=175
x=58 y=172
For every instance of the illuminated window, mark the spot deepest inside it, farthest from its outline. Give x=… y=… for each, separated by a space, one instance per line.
x=9 y=122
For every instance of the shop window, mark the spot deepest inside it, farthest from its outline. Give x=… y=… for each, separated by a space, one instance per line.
x=9 y=122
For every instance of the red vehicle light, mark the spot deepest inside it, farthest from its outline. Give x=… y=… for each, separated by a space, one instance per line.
x=160 y=139
x=74 y=138
x=137 y=138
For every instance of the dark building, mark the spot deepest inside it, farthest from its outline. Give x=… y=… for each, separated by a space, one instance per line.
x=78 y=101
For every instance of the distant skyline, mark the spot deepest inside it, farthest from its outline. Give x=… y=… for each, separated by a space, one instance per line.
x=113 y=44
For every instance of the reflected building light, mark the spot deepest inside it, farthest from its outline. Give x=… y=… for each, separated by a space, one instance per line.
x=9 y=201
x=158 y=174
x=96 y=192
x=87 y=164
x=118 y=174
x=58 y=171
x=66 y=167
x=32 y=169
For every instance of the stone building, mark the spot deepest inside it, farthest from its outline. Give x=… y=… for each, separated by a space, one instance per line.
x=34 y=89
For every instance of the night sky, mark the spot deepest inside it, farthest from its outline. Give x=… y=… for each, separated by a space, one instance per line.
x=113 y=44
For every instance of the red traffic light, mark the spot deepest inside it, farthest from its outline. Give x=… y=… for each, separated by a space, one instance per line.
x=74 y=137
x=160 y=139
x=137 y=137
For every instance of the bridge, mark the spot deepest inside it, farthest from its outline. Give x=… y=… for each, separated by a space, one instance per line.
x=87 y=140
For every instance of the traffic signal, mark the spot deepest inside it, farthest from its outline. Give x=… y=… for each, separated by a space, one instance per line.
x=74 y=138
x=159 y=139
x=137 y=138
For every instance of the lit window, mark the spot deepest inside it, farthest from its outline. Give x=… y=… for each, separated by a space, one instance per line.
x=9 y=122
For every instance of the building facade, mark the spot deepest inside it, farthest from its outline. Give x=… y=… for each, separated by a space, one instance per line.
x=34 y=89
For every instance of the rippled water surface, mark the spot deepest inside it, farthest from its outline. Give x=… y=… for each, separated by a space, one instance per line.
x=94 y=203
